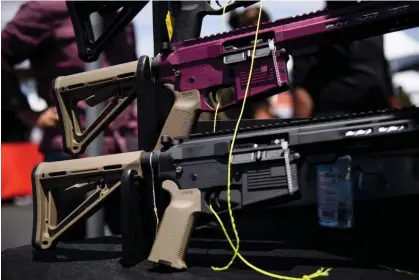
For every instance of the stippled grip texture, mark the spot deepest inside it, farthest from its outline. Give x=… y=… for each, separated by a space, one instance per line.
x=184 y=114
x=175 y=230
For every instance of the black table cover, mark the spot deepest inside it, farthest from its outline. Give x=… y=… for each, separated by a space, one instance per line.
x=286 y=241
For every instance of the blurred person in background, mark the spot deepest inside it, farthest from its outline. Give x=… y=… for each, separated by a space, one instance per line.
x=42 y=32
x=344 y=78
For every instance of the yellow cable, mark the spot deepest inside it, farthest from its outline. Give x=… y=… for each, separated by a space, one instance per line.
x=320 y=272
x=215 y=117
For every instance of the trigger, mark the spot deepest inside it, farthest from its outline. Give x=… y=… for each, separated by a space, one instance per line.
x=217 y=200
x=218 y=97
x=225 y=96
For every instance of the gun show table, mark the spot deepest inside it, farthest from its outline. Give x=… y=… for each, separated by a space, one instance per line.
x=372 y=250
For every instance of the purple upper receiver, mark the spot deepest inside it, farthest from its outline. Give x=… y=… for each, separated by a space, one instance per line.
x=223 y=60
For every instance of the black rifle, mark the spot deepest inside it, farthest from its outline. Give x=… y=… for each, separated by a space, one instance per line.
x=264 y=166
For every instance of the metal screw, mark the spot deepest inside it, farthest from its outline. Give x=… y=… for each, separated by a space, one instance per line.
x=179 y=169
x=191 y=79
x=177 y=73
x=101 y=184
x=194 y=177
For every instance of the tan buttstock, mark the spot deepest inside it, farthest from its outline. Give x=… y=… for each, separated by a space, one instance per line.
x=183 y=115
x=102 y=174
x=93 y=87
x=175 y=230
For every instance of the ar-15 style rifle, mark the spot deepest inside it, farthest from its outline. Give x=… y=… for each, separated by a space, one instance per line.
x=194 y=70
x=223 y=60
x=387 y=15
x=118 y=85
x=264 y=166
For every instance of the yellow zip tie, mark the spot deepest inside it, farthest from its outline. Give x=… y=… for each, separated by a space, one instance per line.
x=318 y=273
x=170 y=21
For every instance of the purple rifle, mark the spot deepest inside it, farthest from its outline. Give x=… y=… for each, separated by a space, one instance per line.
x=222 y=60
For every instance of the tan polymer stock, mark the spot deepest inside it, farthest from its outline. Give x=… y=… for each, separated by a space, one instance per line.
x=93 y=87
x=101 y=175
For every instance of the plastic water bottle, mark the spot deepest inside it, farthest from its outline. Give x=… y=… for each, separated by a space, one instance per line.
x=335 y=194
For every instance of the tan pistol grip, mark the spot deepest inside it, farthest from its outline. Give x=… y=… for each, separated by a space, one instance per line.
x=171 y=243
x=184 y=114
x=102 y=174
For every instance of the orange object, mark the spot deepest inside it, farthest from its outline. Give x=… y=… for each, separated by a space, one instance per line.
x=282 y=105
x=17 y=162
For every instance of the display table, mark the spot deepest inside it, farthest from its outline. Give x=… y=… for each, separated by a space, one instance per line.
x=296 y=246
x=98 y=259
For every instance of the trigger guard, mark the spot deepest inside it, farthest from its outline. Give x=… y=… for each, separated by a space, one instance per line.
x=213 y=200
x=210 y=101
x=219 y=101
